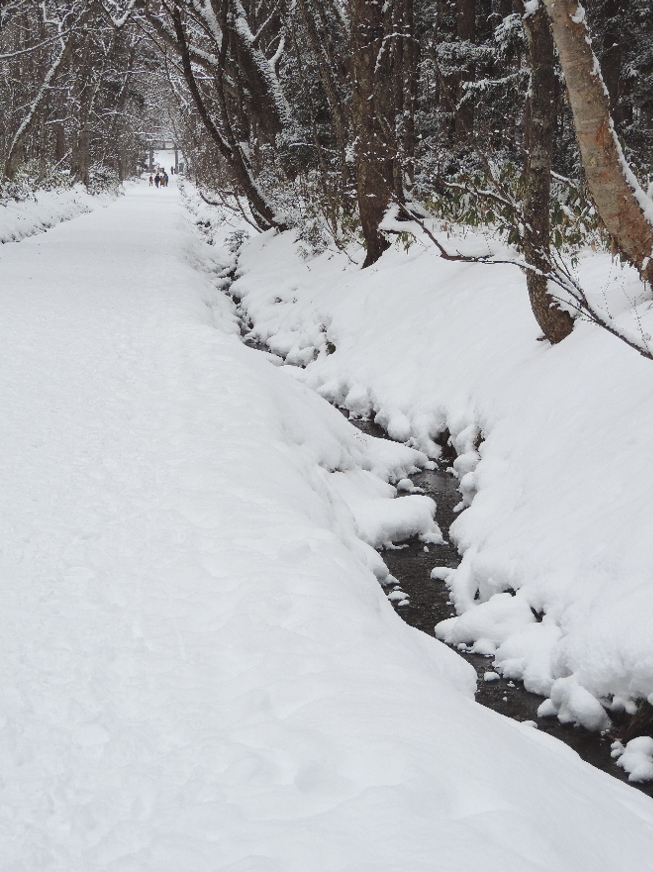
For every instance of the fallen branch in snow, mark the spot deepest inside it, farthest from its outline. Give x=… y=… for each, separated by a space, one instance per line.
x=402 y=225
x=574 y=297
x=224 y=203
x=578 y=301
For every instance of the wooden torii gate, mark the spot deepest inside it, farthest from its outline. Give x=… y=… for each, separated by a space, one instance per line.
x=162 y=145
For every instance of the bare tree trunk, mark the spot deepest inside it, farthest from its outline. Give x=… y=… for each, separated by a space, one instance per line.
x=60 y=142
x=262 y=81
x=539 y=130
x=613 y=44
x=620 y=201
x=80 y=156
x=406 y=54
x=228 y=147
x=123 y=160
x=466 y=32
x=31 y=116
x=373 y=118
x=325 y=66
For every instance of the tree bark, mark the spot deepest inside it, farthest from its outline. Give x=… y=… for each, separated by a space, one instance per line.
x=373 y=118
x=261 y=80
x=80 y=155
x=539 y=131
x=325 y=67
x=620 y=201
x=329 y=80
x=31 y=117
x=406 y=78
x=231 y=150
x=612 y=51
x=466 y=32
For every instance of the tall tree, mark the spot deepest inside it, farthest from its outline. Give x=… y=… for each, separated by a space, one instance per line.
x=373 y=112
x=539 y=130
x=318 y=32
x=229 y=53
x=624 y=207
x=67 y=24
x=466 y=32
x=69 y=95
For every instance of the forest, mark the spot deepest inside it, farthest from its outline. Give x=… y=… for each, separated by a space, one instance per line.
x=326 y=465
x=532 y=119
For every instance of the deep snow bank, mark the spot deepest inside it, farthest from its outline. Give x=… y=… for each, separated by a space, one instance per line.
x=554 y=445
x=200 y=671
x=46 y=210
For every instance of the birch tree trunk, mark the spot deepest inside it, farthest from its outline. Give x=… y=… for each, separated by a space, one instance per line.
x=624 y=207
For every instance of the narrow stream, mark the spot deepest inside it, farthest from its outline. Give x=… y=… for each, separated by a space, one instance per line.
x=429 y=603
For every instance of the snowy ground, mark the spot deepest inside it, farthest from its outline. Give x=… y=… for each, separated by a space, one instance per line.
x=200 y=670
x=47 y=209
x=554 y=445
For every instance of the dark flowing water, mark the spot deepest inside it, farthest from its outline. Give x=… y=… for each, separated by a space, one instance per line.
x=429 y=603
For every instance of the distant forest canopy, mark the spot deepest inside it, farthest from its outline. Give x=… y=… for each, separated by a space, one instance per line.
x=323 y=114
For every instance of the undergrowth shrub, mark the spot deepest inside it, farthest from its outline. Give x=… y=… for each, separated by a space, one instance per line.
x=492 y=198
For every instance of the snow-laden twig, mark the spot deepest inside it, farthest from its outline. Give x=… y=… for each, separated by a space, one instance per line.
x=233 y=204
x=401 y=218
x=119 y=16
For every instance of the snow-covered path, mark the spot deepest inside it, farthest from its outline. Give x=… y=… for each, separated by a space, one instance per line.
x=199 y=670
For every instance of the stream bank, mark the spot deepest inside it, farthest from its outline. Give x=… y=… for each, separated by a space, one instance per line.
x=429 y=603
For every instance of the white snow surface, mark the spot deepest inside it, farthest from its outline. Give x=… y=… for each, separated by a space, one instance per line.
x=200 y=669
x=554 y=443
x=19 y=219
x=636 y=757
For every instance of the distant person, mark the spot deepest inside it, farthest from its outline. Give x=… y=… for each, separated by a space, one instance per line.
x=151 y=181
x=157 y=180
x=164 y=178
x=172 y=171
